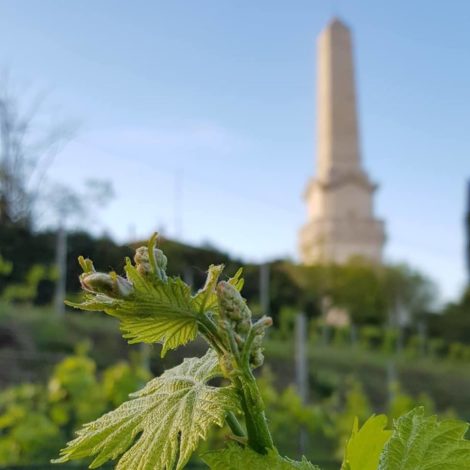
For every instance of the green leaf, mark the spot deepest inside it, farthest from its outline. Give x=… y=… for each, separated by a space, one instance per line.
x=422 y=442
x=365 y=445
x=234 y=457
x=157 y=311
x=237 y=281
x=206 y=298
x=161 y=427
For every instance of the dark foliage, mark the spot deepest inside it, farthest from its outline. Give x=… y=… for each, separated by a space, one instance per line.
x=453 y=324
x=26 y=248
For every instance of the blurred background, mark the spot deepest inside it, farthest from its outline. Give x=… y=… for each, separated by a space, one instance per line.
x=206 y=121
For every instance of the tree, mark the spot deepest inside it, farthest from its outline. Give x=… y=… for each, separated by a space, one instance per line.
x=453 y=322
x=28 y=144
x=370 y=293
x=410 y=295
x=67 y=205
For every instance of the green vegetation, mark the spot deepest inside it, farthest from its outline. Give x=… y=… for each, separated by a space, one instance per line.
x=153 y=307
x=350 y=367
x=365 y=445
x=374 y=296
x=37 y=419
x=5 y=266
x=420 y=442
x=56 y=406
x=27 y=291
x=371 y=294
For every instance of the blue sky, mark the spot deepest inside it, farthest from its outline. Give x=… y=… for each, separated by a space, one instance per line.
x=217 y=98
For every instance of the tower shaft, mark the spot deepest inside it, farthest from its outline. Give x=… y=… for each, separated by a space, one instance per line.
x=337 y=127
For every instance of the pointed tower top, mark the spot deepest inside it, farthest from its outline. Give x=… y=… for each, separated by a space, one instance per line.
x=336 y=22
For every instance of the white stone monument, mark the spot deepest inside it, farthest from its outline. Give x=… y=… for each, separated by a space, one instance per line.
x=341 y=221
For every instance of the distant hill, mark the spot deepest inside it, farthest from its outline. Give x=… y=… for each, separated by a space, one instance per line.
x=26 y=248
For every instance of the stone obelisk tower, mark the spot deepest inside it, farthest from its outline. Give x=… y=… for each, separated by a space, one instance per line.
x=341 y=221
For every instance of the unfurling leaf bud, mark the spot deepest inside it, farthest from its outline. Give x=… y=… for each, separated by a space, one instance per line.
x=111 y=285
x=100 y=283
x=161 y=262
x=232 y=305
x=255 y=346
x=257 y=358
x=141 y=255
x=86 y=264
x=143 y=262
x=243 y=327
x=263 y=323
x=122 y=287
x=257 y=341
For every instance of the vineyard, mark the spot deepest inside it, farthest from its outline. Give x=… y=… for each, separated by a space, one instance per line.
x=73 y=377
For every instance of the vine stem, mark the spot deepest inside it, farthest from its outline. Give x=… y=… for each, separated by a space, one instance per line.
x=234 y=425
x=211 y=333
x=245 y=359
x=259 y=436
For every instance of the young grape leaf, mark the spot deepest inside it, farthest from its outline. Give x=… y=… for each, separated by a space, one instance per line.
x=237 y=281
x=161 y=426
x=206 y=298
x=157 y=311
x=365 y=445
x=422 y=442
x=234 y=457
